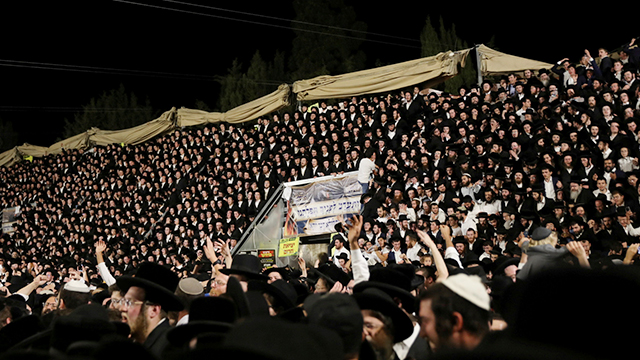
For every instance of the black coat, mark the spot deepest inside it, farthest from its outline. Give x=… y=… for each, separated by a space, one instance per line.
x=157 y=341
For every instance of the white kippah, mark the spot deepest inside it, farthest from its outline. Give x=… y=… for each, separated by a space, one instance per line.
x=469 y=287
x=77 y=286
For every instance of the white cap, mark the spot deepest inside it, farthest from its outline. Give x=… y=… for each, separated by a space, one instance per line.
x=77 y=286
x=469 y=287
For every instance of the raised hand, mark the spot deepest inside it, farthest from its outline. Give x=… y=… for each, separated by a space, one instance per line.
x=632 y=252
x=101 y=246
x=354 y=231
x=445 y=230
x=209 y=251
x=224 y=248
x=425 y=238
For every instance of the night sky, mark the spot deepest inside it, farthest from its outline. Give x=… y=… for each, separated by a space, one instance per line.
x=171 y=56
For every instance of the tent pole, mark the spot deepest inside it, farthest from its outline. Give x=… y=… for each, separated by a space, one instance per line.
x=479 y=65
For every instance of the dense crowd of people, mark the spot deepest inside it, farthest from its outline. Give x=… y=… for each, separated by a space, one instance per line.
x=474 y=204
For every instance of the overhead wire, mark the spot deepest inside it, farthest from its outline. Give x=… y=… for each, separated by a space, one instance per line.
x=264 y=24
x=94 y=69
x=292 y=21
x=116 y=71
x=20 y=108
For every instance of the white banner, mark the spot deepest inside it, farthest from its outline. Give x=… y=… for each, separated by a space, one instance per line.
x=320 y=226
x=9 y=216
x=314 y=210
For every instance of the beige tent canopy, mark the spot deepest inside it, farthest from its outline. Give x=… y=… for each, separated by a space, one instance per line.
x=249 y=111
x=431 y=70
x=94 y=136
x=428 y=71
x=497 y=63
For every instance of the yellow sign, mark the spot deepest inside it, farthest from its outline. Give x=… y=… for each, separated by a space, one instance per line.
x=288 y=247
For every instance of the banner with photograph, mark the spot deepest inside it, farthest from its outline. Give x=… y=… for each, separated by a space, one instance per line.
x=315 y=206
x=9 y=216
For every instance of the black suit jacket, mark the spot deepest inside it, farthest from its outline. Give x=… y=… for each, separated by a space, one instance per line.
x=157 y=341
x=306 y=173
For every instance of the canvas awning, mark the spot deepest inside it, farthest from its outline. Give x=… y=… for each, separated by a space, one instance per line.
x=246 y=112
x=430 y=70
x=494 y=62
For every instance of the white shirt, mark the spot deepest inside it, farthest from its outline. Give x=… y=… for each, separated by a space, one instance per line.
x=337 y=252
x=359 y=266
x=412 y=253
x=402 y=348
x=452 y=253
x=365 y=170
x=183 y=320
x=597 y=192
x=548 y=189
x=469 y=223
x=105 y=274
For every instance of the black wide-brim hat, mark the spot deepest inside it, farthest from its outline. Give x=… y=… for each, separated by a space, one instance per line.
x=393 y=282
x=246 y=265
x=159 y=283
x=207 y=315
x=502 y=263
x=377 y=300
x=181 y=335
x=283 y=271
x=274 y=338
x=408 y=300
x=279 y=289
x=19 y=330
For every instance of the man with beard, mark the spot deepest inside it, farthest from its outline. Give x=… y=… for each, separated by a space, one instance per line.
x=489 y=203
x=577 y=194
x=506 y=199
x=539 y=202
x=577 y=228
x=467 y=221
x=622 y=205
x=148 y=297
x=50 y=304
x=611 y=172
x=610 y=232
x=518 y=180
x=384 y=322
x=443 y=196
x=455 y=313
x=467 y=187
x=543 y=75
x=218 y=283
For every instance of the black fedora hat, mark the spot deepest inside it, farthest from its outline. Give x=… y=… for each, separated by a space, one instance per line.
x=19 y=330
x=159 y=284
x=250 y=303
x=246 y=265
x=284 y=293
x=207 y=315
x=275 y=338
x=283 y=271
x=332 y=273
x=393 y=282
x=87 y=323
x=504 y=262
x=377 y=300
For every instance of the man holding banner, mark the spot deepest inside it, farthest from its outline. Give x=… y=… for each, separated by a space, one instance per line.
x=366 y=168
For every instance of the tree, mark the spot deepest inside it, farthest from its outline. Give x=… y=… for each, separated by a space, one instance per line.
x=329 y=50
x=435 y=42
x=114 y=110
x=232 y=87
x=260 y=79
x=8 y=136
x=256 y=78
